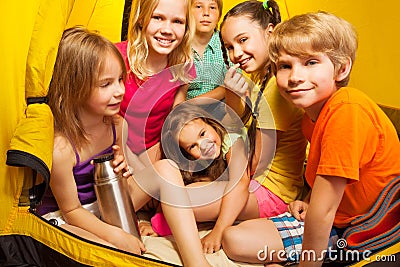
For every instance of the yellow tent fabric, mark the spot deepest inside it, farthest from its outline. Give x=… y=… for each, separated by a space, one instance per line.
x=30 y=35
x=31 y=147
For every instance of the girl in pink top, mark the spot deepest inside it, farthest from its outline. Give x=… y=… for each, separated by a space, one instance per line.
x=158 y=58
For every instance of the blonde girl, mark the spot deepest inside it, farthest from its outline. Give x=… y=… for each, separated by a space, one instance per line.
x=158 y=57
x=85 y=94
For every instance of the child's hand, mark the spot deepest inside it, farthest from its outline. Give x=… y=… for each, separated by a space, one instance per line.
x=235 y=81
x=146 y=229
x=120 y=163
x=212 y=242
x=298 y=209
x=128 y=242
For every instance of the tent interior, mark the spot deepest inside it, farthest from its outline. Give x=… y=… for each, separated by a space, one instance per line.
x=30 y=36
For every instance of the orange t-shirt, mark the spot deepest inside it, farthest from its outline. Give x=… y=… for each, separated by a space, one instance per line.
x=353 y=138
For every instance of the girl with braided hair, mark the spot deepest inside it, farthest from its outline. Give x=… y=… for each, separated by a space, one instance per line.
x=278 y=148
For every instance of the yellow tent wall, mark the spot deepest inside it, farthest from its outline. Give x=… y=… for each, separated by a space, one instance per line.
x=29 y=36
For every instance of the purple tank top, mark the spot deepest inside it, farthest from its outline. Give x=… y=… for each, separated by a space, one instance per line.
x=83 y=174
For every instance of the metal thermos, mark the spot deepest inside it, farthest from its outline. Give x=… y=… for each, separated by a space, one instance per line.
x=115 y=205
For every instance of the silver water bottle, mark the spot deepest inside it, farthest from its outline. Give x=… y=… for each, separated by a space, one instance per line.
x=115 y=205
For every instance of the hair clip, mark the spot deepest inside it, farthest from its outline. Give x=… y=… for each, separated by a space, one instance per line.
x=265 y=4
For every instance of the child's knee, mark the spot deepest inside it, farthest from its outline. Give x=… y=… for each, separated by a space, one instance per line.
x=231 y=240
x=168 y=176
x=165 y=166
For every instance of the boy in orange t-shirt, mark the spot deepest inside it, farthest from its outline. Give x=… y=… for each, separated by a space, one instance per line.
x=354 y=148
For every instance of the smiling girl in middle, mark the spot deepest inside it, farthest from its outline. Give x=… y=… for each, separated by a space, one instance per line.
x=158 y=57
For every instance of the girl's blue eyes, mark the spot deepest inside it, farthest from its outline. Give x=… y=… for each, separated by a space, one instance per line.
x=177 y=21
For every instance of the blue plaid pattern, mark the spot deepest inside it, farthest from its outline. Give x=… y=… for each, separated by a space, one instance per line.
x=291 y=232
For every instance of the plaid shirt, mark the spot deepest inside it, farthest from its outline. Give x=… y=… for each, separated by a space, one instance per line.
x=210 y=70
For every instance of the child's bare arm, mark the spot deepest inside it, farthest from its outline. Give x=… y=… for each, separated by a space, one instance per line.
x=298 y=208
x=218 y=93
x=326 y=196
x=237 y=88
x=65 y=191
x=132 y=159
x=181 y=95
x=234 y=201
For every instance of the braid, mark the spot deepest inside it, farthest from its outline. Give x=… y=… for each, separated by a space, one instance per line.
x=251 y=132
x=224 y=54
x=273 y=9
x=254 y=10
x=259 y=94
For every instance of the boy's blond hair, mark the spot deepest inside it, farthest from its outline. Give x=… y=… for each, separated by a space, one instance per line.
x=305 y=34
x=220 y=5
